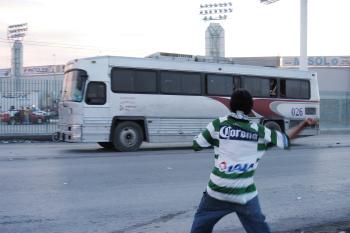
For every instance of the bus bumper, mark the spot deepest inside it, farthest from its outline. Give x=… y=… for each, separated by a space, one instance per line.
x=70 y=133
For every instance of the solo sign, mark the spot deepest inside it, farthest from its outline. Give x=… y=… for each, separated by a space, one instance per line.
x=318 y=61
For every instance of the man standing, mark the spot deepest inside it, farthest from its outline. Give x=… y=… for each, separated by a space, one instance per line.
x=238 y=146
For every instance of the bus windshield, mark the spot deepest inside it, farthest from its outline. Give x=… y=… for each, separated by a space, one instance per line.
x=73 y=85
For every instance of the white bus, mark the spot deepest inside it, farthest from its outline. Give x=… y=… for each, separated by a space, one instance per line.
x=119 y=102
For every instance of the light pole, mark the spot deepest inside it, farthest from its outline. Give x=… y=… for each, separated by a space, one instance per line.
x=15 y=34
x=303 y=35
x=215 y=34
x=303 y=32
x=215 y=11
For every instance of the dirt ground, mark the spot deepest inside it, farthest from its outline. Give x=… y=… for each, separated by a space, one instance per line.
x=338 y=227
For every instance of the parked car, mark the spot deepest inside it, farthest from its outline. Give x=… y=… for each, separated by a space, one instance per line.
x=39 y=116
x=11 y=117
x=14 y=117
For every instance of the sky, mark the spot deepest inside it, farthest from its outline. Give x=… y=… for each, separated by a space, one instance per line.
x=59 y=31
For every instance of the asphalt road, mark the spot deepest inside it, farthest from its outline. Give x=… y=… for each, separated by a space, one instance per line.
x=79 y=188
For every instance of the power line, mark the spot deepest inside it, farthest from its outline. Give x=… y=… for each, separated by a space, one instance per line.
x=59 y=45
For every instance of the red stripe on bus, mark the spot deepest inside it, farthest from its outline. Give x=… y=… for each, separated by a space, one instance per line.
x=261 y=105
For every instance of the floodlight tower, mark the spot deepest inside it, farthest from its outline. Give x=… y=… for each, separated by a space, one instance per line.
x=15 y=34
x=215 y=33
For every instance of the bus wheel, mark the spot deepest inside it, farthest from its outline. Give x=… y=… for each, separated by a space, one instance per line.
x=273 y=125
x=127 y=136
x=106 y=145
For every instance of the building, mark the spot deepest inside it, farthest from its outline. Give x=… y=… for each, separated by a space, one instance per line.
x=37 y=72
x=333 y=74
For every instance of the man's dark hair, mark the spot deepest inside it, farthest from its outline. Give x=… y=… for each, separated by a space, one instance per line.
x=241 y=100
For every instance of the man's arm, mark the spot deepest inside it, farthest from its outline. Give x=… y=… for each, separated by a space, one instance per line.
x=294 y=132
x=208 y=137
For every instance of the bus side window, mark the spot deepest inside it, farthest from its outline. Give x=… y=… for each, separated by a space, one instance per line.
x=257 y=86
x=273 y=87
x=236 y=82
x=283 y=88
x=96 y=93
x=221 y=85
x=295 y=89
x=180 y=83
x=132 y=80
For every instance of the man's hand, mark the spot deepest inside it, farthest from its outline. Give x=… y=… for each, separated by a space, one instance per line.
x=294 y=132
x=310 y=121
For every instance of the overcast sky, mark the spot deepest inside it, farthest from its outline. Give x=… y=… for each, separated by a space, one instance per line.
x=68 y=29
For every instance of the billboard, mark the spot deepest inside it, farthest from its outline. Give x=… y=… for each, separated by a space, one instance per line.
x=35 y=70
x=317 y=61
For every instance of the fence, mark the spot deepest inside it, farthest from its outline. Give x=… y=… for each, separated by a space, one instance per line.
x=335 y=111
x=29 y=107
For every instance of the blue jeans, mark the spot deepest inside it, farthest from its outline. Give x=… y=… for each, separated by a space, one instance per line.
x=211 y=210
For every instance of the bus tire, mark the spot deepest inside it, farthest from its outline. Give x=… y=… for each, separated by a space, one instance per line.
x=106 y=145
x=273 y=125
x=127 y=136
x=55 y=137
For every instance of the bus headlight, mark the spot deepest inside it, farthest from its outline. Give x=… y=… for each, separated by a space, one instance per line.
x=74 y=132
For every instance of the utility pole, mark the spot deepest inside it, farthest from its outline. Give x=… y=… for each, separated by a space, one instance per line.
x=303 y=35
x=303 y=32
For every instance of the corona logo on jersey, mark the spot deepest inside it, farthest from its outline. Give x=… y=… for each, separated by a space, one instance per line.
x=236 y=133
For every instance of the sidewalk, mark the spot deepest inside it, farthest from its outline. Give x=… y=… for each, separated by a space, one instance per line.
x=323 y=141
x=326 y=140
x=338 y=227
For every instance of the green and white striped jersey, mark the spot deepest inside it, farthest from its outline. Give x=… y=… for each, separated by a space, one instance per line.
x=238 y=145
